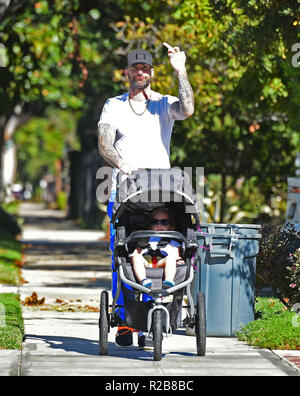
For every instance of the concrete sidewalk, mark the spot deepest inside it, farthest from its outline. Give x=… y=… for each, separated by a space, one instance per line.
x=67 y=344
x=61 y=336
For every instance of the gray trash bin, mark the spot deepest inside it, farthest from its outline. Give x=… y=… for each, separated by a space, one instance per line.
x=226 y=274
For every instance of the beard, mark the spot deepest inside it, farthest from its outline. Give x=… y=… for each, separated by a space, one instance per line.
x=136 y=84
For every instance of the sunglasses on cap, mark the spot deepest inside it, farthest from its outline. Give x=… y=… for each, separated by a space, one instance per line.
x=163 y=222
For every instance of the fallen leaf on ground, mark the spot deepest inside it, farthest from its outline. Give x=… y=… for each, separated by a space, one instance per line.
x=33 y=300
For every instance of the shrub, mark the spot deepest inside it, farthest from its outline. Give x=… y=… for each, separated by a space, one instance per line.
x=274 y=329
x=8 y=223
x=294 y=272
x=278 y=262
x=62 y=200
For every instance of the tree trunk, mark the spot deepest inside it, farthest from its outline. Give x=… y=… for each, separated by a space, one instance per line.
x=10 y=7
x=82 y=202
x=2 y=142
x=8 y=126
x=223 y=197
x=58 y=176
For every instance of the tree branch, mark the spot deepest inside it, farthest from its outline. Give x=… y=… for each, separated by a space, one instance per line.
x=10 y=7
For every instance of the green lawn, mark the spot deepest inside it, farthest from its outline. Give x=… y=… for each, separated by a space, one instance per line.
x=11 y=322
x=276 y=328
x=10 y=259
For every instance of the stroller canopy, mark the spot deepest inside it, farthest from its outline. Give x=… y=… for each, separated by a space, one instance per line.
x=146 y=189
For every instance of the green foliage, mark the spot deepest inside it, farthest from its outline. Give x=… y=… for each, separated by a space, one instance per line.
x=275 y=329
x=37 y=42
x=11 y=334
x=10 y=259
x=242 y=198
x=240 y=87
x=273 y=263
x=42 y=141
x=246 y=120
x=245 y=123
x=11 y=207
x=62 y=200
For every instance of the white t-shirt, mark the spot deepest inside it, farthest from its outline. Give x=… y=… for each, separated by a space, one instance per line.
x=142 y=141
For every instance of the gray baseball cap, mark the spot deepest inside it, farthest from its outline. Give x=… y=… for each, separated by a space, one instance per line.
x=139 y=56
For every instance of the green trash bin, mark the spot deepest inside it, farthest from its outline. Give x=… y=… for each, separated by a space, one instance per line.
x=226 y=271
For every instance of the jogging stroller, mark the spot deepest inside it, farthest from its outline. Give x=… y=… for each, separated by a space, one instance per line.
x=161 y=310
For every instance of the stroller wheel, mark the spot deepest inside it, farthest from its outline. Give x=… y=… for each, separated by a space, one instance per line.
x=157 y=334
x=103 y=324
x=200 y=324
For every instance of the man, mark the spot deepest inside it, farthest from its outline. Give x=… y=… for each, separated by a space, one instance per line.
x=135 y=131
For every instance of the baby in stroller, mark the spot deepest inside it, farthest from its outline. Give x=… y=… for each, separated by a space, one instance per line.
x=167 y=257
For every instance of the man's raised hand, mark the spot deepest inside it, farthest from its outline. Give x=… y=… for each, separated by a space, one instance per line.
x=177 y=57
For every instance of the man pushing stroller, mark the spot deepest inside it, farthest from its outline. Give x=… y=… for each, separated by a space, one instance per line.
x=137 y=124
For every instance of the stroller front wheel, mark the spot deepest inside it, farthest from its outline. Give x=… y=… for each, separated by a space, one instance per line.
x=157 y=334
x=200 y=324
x=103 y=324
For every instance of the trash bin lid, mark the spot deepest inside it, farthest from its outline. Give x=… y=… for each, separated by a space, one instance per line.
x=249 y=231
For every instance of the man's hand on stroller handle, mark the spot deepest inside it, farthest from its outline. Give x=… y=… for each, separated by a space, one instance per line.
x=126 y=168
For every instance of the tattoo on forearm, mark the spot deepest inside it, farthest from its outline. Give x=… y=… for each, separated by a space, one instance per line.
x=107 y=135
x=185 y=92
x=185 y=106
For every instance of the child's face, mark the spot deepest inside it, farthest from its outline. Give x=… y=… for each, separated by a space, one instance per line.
x=161 y=222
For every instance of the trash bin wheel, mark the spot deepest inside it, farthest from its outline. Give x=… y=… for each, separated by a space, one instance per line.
x=157 y=335
x=103 y=323
x=200 y=324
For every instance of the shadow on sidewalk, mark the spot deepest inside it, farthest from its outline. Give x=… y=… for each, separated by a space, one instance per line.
x=87 y=347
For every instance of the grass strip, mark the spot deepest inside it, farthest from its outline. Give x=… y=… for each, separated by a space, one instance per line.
x=11 y=322
x=12 y=207
x=10 y=259
x=276 y=327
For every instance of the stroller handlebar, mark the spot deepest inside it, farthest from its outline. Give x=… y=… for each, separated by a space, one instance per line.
x=162 y=234
x=147 y=234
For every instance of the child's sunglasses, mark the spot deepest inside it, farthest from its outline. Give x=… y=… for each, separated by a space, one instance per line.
x=163 y=222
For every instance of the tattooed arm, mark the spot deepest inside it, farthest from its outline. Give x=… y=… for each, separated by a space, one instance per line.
x=107 y=136
x=185 y=107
